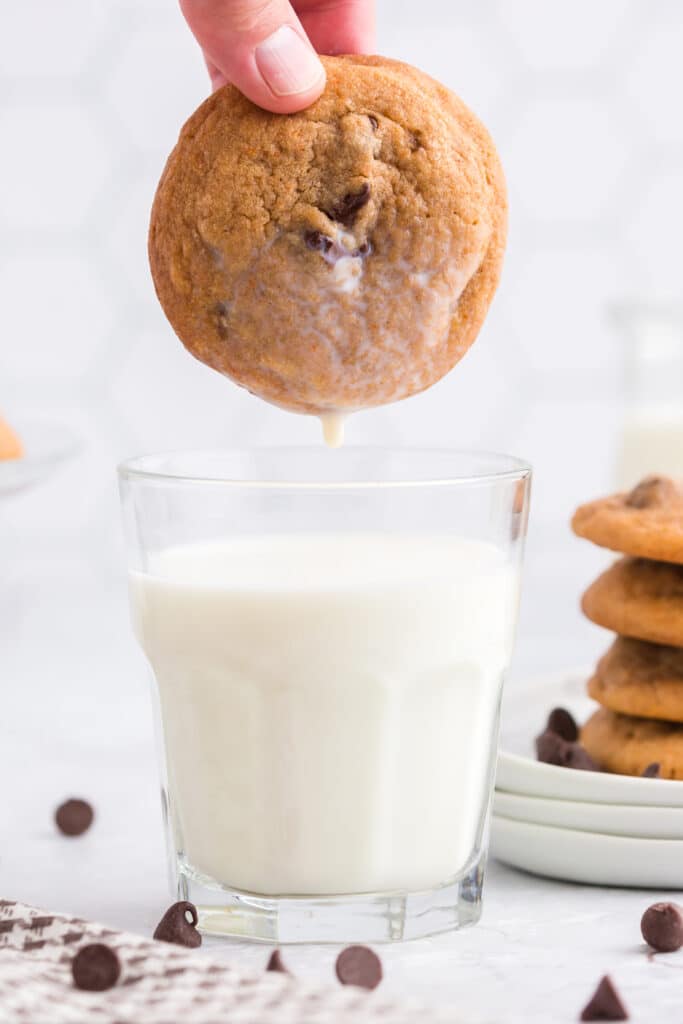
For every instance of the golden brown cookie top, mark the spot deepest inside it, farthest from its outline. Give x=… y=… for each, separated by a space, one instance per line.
x=646 y=522
x=337 y=258
x=10 y=445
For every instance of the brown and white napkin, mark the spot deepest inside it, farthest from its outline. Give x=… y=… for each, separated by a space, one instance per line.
x=162 y=984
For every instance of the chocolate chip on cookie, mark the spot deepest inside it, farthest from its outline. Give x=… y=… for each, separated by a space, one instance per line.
x=645 y=523
x=346 y=209
x=652 y=771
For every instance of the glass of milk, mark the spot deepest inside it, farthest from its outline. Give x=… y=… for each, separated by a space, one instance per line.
x=652 y=430
x=328 y=634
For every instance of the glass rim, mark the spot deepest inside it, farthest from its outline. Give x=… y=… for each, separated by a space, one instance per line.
x=142 y=468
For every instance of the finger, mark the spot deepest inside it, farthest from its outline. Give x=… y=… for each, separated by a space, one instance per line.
x=261 y=47
x=339 y=26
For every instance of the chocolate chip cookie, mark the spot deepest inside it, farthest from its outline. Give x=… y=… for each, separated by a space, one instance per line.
x=338 y=258
x=640 y=678
x=627 y=746
x=647 y=522
x=639 y=598
x=10 y=445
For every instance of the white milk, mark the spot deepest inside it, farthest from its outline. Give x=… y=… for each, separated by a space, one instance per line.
x=651 y=442
x=329 y=705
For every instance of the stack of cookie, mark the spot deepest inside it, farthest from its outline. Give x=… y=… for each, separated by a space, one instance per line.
x=639 y=682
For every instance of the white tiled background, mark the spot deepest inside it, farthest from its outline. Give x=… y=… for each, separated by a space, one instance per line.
x=584 y=101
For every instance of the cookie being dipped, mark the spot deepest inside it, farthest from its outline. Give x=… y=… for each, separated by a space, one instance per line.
x=339 y=258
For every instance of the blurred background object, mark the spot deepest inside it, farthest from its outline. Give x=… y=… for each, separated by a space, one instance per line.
x=583 y=100
x=652 y=431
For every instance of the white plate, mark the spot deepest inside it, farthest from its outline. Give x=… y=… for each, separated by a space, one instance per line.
x=588 y=857
x=47 y=446
x=612 y=819
x=525 y=710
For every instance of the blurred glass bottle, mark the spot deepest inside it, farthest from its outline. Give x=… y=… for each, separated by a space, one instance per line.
x=652 y=427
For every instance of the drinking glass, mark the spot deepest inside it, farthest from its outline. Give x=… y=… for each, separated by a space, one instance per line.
x=328 y=634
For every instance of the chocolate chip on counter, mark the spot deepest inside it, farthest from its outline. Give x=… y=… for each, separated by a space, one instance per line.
x=605 y=1004
x=552 y=749
x=317 y=241
x=275 y=963
x=358 y=965
x=175 y=926
x=652 y=771
x=662 y=927
x=347 y=208
x=74 y=817
x=95 y=967
x=562 y=722
x=652 y=491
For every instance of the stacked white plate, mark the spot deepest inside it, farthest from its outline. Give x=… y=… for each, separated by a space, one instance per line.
x=576 y=825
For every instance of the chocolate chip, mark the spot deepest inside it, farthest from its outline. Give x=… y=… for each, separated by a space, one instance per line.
x=373 y=121
x=552 y=749
x=560 y=721
x=579 y=759
x=275 y=963
x=347 y=208
x=175 y=926
x=318 y=241
x=652 y=771
x=652 y=491
x=95 y=968
x=662 y=927
x=358 y=965
x=74 y=817
x=221 y=315
x=363 y=250
x=606 y=1003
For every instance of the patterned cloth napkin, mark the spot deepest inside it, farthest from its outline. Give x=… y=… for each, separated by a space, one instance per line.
x=162 y=983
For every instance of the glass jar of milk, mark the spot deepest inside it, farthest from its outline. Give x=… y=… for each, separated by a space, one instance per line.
x=652 y=432
x=328 y=635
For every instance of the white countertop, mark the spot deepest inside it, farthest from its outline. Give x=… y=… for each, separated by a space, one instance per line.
x=76 y=720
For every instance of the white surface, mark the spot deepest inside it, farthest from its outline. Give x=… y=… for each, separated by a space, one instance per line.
x=591 y=857
x=613 y=819
x=323 y=694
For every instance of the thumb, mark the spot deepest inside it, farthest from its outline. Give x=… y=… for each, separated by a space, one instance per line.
x=259 y=46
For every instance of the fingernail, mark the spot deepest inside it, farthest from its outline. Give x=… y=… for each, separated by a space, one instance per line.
x=287 y=62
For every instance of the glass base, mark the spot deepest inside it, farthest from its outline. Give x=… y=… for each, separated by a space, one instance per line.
x=382 y=917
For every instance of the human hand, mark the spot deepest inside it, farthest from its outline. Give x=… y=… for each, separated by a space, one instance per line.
x=267 y=48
